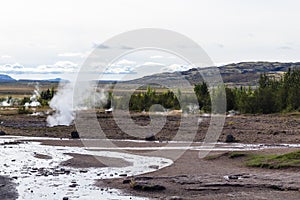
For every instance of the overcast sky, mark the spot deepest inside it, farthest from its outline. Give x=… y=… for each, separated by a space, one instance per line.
x=49 y=37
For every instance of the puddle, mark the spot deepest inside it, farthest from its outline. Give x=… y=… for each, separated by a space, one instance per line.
x=45 y=179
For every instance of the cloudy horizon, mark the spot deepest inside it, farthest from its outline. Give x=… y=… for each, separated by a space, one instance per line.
x=52 y=39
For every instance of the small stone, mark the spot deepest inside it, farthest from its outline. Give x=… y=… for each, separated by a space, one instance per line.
x=75 y=135
x=154 y=166
x=126 y=181
x=233 y=177
x=230 y=138
x=150 y=137
x=66 y=198
x=122 y=174
x=73 y=185
x=147 y=187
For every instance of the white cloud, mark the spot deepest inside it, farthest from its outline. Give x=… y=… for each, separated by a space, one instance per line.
x=120 y=70
x=121 y=67
x=125 y=62
x=176 y=67
x=57 y=68
x=157 y=56
x=152 y=64
x=74 y=54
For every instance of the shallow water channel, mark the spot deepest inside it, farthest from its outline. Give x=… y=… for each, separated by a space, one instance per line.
x=45 y=179
x=38 y=178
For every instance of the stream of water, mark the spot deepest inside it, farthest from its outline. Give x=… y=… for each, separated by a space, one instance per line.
x=38 y=178
x=45 y=179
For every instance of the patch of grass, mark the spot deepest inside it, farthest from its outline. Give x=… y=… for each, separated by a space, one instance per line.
x=236 y=154
x=288 y=160
x=230 y=123
x=227 y=154
x=213 y=157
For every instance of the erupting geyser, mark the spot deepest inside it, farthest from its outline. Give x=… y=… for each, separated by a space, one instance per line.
x=62 y=104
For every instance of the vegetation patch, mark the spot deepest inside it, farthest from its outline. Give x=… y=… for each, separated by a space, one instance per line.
x=288 y=160
x=227 y=154
x=237 y=154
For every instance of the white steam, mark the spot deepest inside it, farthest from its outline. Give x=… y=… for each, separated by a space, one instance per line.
x=6 y=103
x=64 y=107
x=62 y=104
x=34 y=98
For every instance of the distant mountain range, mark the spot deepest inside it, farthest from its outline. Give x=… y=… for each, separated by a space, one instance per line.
x=7 y=79
x=235 y=74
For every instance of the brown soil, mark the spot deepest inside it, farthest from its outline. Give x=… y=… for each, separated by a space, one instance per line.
x=86 y=161
x=193 y=178
x=274 y=128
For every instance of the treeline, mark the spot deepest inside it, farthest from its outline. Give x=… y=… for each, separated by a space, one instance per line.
x=270 y=96
x=143 y=101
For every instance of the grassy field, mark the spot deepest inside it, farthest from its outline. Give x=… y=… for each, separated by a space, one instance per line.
x=22 y=89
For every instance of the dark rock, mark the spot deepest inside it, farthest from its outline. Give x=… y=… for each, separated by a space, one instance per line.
x=233 y=177
x=73 y=185
x=2 y=133
x=148 y=187
x=229 y=138
x=12 y=143
x=122 y=174
x=150 y=137
x=154 y=166
x=126 y=181
x=66 y=198
x=75 y=135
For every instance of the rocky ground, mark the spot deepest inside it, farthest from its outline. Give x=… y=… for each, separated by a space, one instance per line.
x=274 y=128
x=189 y=177
x=222 y=178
